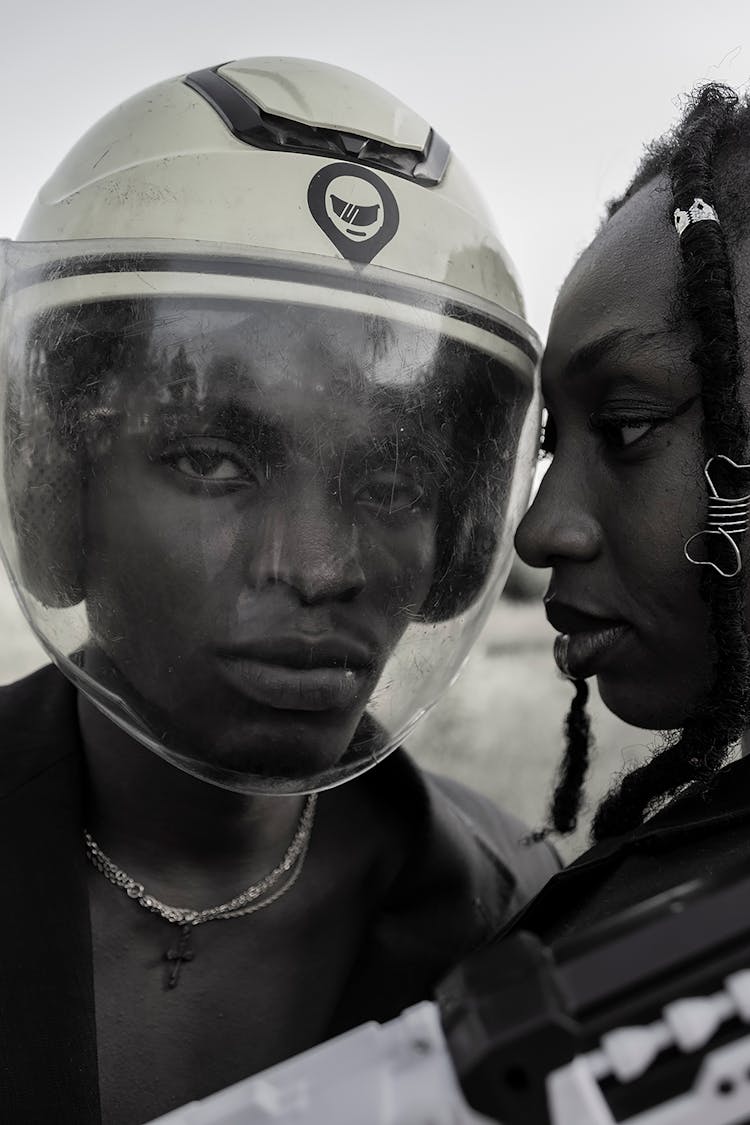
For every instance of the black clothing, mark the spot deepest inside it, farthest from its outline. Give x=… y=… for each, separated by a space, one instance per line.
x=694 y=837
x=466 y=872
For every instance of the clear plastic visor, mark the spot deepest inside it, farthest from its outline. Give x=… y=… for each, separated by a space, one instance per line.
x=259 y=525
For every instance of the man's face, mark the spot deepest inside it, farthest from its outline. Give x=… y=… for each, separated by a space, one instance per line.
x=260 y=530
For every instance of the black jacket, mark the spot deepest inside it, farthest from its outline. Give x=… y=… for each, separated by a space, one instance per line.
x=698 y=836
x=466 y=873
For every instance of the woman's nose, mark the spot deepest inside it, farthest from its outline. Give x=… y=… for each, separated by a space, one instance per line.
x=312 y=545
x=559 y=524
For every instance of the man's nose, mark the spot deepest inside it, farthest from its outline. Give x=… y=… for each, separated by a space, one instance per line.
x=560 y=523
x=312 y=544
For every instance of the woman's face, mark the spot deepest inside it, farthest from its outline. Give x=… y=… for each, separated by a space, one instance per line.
x=257 y=546
x=625 y=487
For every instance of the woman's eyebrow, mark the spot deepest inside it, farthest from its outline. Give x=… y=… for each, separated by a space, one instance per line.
x=617 y=345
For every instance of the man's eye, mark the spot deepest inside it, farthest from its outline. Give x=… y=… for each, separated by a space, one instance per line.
x=390 y=495
x=208 y=465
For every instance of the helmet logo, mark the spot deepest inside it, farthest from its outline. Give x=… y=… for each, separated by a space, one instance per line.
x=357 y=220
x=354 y=208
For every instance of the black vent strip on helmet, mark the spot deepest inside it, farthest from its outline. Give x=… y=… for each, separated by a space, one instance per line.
x=84 y=266
x=252 y=125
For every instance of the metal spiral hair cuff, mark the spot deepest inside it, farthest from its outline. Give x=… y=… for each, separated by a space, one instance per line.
x=728 y=517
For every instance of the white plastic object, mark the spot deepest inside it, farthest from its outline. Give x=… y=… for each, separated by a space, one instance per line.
x=629 y=1051
x=720 y=1094
x=694 y=1021
x=397 y=1073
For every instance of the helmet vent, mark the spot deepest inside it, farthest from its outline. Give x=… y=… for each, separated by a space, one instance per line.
x=252 y=125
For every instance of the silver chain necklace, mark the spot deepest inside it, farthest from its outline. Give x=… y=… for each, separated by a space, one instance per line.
x=255 y=897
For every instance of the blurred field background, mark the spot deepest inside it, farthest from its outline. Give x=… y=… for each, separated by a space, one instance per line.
x=499 y=729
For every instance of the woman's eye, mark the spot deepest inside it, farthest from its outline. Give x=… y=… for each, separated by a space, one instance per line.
x=627 y=433
x=624 y=432
x=620 y=427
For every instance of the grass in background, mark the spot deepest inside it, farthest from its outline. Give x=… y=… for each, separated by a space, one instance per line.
x=499 y=729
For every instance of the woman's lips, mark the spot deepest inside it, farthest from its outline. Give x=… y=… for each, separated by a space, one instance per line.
x=585 y=639
x=580 y=655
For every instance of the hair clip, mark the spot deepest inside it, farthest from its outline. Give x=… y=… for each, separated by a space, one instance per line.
x=728 y=518
x=698 y=212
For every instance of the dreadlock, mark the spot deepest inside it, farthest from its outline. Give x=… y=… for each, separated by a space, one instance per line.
x=715 y=128
x=568 y=793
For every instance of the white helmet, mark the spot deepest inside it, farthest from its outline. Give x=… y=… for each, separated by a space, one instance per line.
x=269 y=414
x=198 y=157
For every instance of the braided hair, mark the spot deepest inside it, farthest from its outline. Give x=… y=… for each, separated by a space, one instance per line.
x=698 y=158
x=565 y=805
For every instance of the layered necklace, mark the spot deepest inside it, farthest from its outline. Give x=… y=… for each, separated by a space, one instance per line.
x=255 y=897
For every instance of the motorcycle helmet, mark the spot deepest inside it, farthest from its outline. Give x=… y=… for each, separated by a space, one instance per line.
x=268 y=414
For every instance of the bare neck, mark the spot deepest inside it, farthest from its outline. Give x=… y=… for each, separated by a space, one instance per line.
x=163 y=826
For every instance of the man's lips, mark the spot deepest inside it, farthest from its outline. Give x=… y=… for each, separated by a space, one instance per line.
x=298 y=672
x=304 y=650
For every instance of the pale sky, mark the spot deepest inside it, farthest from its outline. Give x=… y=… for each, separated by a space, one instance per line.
x=547 y=103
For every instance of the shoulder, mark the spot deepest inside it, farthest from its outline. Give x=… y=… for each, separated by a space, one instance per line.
x=530 y=863
x=462 y=869
x=38 y=726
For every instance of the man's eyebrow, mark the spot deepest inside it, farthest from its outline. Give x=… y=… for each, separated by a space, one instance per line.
x=238 y=419
x=616 y=345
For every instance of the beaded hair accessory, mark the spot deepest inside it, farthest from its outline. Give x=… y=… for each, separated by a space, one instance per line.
x=728 y=516
x=698 y=212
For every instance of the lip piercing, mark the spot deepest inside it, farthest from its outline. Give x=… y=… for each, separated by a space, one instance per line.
x=562 y=640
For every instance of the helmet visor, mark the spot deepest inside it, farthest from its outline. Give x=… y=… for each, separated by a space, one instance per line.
x=258 y=515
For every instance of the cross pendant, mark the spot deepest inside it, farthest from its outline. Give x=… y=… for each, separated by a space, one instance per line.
x=177 y=956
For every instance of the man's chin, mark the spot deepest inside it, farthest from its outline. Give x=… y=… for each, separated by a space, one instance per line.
x=285 y=751
x=220 y=737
